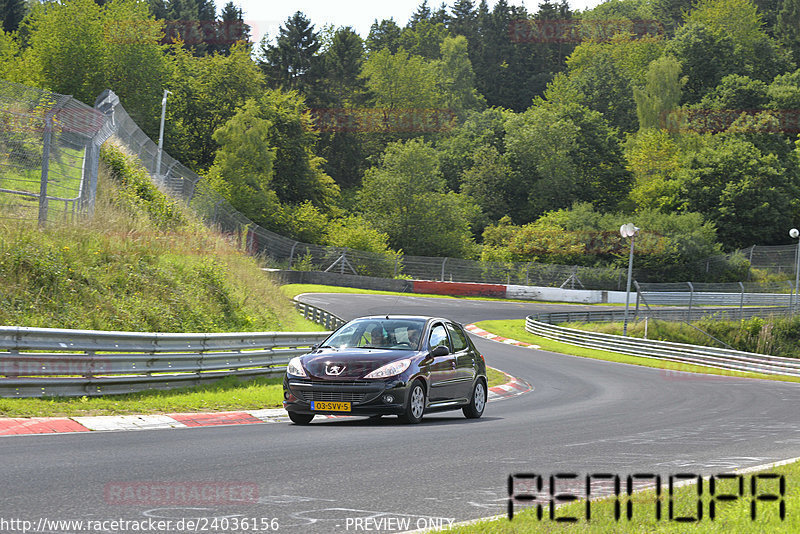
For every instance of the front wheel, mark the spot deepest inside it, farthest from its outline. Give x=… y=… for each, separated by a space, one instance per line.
x=415 y=406
x=301 y=418
x=474 y=409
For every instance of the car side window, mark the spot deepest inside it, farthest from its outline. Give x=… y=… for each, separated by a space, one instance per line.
x=458 y=337
x=438 y=336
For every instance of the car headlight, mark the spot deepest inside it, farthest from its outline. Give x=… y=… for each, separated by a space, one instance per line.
x=390 y=369
x=295 y=367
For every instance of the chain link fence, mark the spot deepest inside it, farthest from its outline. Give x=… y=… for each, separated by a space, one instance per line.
x=283 y=252
x=49 y=149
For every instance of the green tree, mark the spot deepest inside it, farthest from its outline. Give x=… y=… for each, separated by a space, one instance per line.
x=561 y=154
x=784 y=91
x=291 y=61
x=605 y=73
x=654 y=159
x=343 y=62
x=13 y=12
x=788 y=26
x=747 y=194
x=662 y=92
x=671 y=13
x=206 y=92
x=488 y=183
x=80 y=48
x=405 y=198
x=232 y=28
x=424 y=38
x=704 y=57
x=385 y=34
x=457 y=150
x=243 y=166
x=736 y=92
x=401 y=80
x=456 y=78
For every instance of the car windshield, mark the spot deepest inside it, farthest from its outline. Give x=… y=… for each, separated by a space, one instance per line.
x=402 y=334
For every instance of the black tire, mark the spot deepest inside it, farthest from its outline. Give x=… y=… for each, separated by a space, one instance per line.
x=301 y=418
x=415 y=404
x=477 y=402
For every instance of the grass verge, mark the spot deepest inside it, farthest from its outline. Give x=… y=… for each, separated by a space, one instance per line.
x=515 y=329
x=730 y=516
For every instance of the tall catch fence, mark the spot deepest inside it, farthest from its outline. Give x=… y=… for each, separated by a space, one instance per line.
x=181 y=182
x=49 y=150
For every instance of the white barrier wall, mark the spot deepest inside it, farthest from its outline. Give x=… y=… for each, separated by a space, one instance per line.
x=554 y=294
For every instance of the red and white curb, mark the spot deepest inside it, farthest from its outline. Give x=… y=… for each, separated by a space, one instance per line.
x=115 y=423
x=480 y=332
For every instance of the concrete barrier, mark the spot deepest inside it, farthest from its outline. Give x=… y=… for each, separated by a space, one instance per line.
x=467 y=289
x=432 y=287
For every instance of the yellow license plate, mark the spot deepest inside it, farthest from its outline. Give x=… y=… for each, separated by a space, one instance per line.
x=325 y=406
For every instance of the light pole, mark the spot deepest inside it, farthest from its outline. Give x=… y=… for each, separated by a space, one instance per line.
x=628 y=230
x=161 y=132
x=794 y=233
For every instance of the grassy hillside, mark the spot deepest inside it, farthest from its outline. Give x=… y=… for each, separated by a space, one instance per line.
x=142 y=263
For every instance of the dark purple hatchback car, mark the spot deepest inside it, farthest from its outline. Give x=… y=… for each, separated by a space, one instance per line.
x=388 y=365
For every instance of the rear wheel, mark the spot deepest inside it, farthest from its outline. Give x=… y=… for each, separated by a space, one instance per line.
x=415 y=404
x=301 y=418
x=476 y=405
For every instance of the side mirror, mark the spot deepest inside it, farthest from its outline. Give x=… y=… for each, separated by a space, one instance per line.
x=440 y=350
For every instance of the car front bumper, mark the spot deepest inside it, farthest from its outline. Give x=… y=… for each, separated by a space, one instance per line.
x=366 y=397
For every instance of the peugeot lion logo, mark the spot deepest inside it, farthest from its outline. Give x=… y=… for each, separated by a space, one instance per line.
x=335 y=369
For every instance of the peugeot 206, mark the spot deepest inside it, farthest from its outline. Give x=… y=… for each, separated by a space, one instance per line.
x=388 y=365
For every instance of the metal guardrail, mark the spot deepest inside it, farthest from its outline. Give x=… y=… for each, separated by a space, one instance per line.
x=679 y=315
x=37 y=362
x=685 y=298
x=663 y=350
x=319 y=316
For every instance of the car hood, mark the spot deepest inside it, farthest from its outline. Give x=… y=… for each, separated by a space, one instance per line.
x=354 y=363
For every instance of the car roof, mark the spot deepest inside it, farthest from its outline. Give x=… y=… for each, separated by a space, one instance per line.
x=390 y=317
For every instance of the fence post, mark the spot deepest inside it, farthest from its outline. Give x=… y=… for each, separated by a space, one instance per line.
x=48 y=130
x=105 y=104
x=444 y=261
x=291 y=254
x=691 y=297
x=741 y=303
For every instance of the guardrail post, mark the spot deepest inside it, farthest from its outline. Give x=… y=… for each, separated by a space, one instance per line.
x=691 y=297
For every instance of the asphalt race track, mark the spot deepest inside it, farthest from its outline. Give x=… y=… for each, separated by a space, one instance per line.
x=584 y=416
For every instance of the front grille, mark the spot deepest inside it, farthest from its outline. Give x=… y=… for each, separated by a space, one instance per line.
x=335 y=391
x=331 y=396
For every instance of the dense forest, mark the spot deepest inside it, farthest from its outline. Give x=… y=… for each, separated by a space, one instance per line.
x=474 y=131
